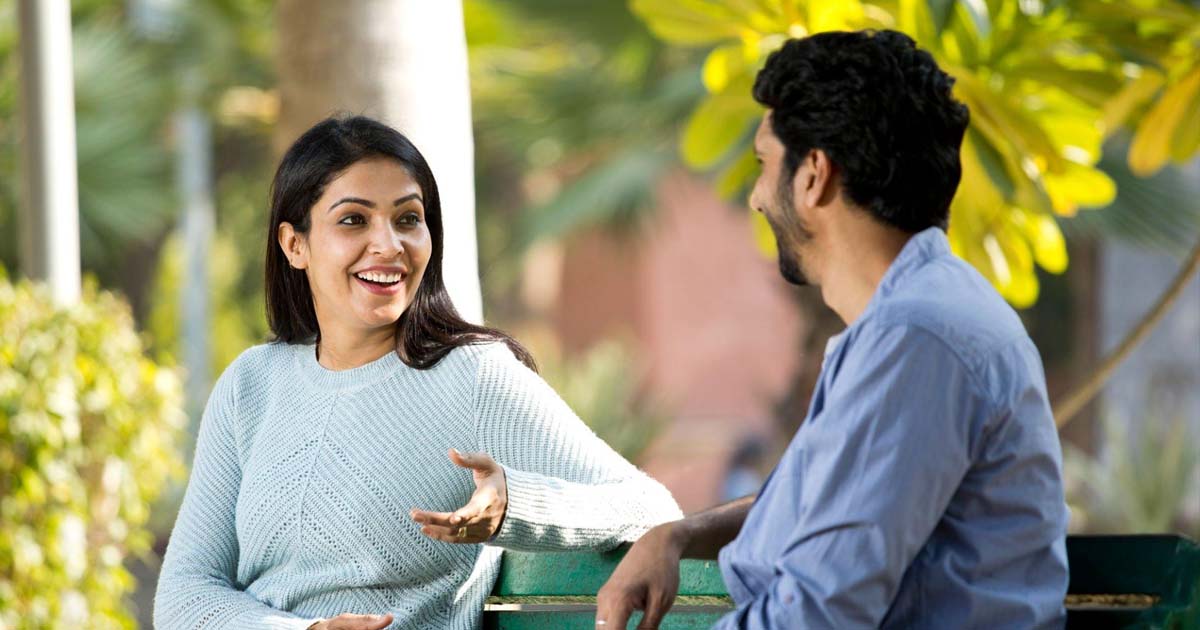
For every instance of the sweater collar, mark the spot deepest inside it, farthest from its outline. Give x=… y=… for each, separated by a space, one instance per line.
x=305 y=359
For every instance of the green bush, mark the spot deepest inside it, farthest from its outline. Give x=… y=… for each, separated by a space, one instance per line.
x=90 y=430
x=601 y=386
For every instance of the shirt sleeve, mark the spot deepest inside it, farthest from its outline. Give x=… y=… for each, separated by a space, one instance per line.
x=197 y=585
x=567 y=488
x=880 y=463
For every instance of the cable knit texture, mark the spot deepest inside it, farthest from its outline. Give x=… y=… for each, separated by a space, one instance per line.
x=298 y=503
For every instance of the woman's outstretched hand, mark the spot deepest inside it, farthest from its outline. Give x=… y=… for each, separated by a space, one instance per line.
x=348 y=621
x=481 y=517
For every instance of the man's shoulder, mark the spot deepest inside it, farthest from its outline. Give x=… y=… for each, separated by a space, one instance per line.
x=953 y=302
x=950 y=304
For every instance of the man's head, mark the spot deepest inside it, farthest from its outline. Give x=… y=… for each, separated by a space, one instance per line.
x=858 y=119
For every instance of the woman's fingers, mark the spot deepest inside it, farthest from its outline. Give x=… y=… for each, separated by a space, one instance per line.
x=431 y=518
x=475 y=510
x=481 y=462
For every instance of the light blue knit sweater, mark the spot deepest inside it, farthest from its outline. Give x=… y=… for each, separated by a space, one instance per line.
x=298 y=503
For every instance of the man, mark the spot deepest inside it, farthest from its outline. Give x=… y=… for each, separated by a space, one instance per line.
x=924 y=488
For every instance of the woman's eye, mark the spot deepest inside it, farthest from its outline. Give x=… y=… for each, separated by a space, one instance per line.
x=409 y=219
x=352 y=219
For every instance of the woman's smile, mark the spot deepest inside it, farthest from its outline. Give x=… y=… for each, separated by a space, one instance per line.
x=381 y=280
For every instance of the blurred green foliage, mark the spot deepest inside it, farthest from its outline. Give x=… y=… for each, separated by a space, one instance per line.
x=1145 y=480
x=1162 y=101
x=603 y=390
x=1046 y=83
x=236 y=322
x=90 y=428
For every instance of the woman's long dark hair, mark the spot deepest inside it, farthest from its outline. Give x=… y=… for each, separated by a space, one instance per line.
x=430 y=327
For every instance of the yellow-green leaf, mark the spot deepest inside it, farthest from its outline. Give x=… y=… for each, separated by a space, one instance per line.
x=1049 y=247
x=1186 y=139
x=1152 y=143
x=717 y=125
x=688 y=22
x=1132 y=96
x=914 y=18
x=833 y=15
x=1021 y=289
x=764 y=238
x=1005 y=123
x=722 y=65
x=1079 y=185
x=737 y=176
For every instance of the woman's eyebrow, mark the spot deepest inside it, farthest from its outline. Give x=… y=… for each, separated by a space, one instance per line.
x=407 y=198
x=370 y=204
x=357 y=200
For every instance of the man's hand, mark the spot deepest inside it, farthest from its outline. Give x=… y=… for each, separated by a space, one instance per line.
x=481 y=517
x=647 y=579
x=348 y=621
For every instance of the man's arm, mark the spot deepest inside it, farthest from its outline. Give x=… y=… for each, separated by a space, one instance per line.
x=701 y=535
x=648 y=578
x=882 y=460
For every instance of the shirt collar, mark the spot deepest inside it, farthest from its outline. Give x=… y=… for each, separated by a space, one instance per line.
x=923 y=247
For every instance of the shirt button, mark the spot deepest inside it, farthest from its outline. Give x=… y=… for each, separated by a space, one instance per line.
x=787 y=599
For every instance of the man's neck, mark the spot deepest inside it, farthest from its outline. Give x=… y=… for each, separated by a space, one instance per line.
x=346 y=349
x=857 y=259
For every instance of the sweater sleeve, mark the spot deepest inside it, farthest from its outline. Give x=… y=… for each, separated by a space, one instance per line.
x=567 y=488
x=197 y=587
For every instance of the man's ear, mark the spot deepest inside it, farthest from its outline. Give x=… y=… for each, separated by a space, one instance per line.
x=294 y=246
x=814 y=180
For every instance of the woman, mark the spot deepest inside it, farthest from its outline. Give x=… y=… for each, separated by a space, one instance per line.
x=315 y=450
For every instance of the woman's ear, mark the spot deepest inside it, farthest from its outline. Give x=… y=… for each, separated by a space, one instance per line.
x=294 y=246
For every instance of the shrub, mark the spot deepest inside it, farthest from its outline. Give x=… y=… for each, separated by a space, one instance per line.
x=90 y=431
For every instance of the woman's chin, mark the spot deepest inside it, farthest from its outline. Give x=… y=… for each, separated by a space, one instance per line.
x=381 y=317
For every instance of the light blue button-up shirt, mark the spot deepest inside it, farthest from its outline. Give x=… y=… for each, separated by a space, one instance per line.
x=924 y=489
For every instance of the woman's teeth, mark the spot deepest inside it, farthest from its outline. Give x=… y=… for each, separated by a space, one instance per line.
x=379 y=278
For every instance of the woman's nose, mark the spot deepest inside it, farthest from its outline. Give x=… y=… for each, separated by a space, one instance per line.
x=386 y=241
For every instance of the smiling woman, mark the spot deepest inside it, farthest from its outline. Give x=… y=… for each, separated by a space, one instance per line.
x=321 y=494
x=353 y=196
x=362 y=255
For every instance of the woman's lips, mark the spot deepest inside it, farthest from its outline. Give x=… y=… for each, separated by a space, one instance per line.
x=380 y=289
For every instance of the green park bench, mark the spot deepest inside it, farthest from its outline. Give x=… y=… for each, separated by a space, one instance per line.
x=1146 y=581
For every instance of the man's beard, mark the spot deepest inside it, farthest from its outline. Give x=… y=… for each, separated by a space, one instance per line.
x=791 y=230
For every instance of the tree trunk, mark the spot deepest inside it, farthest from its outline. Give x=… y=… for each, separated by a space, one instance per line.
x=403 y=62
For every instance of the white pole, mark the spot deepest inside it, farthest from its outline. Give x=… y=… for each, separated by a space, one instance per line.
x=194 y=174
x=50 y=203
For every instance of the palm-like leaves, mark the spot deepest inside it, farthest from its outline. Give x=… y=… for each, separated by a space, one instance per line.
x=1037 y=80
x=124 y=178
x=1162 y=102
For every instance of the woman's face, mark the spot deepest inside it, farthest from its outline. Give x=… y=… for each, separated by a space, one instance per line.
x=366 y=248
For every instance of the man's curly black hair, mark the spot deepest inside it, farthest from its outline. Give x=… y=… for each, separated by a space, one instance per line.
x=881 y=110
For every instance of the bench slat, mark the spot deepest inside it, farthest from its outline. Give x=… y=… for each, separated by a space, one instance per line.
x=584 y=574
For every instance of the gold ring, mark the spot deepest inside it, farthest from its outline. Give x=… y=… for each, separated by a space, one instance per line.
x=462 y=532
